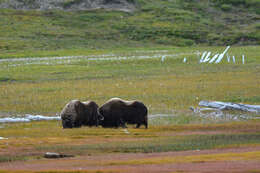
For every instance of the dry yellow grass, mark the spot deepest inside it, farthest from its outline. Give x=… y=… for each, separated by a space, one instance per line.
x=191 y=159
x=159 y=92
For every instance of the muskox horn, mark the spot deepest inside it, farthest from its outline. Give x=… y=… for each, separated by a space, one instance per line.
x=100 y=116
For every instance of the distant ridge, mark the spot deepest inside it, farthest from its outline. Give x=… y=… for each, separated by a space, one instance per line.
x=104 y=24
x=119 y=5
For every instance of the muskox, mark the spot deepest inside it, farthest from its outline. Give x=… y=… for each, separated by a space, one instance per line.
x=117 y=112
x=77 y=113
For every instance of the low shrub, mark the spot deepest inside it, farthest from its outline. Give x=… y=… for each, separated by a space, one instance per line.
x=226 y=7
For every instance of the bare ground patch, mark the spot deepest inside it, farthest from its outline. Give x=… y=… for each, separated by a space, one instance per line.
x=100 y=162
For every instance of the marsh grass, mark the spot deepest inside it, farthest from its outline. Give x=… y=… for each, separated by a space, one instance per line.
x=33 y=129
x=29 y=137
x=192 y=159
x=163 y=87
x=160 y=144
x=8 y=158
x=170 y=87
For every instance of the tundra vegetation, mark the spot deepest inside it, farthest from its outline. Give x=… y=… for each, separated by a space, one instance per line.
x=169 y=87
x=153 y=24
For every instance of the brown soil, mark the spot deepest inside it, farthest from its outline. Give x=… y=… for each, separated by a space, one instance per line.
x=96 y=162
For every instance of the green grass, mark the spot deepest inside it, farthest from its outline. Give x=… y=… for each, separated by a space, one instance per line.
x=192 y=159
x=175 y=143
x=148 y=145
x=30 y=142
x=153 y=24
x=166 y=88
x=9 y=158
x=163 y=87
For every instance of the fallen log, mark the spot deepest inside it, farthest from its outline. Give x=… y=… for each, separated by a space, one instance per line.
x=230 y=106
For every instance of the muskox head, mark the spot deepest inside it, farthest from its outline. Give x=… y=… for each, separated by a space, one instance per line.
x=100 y=117
x=92 y=115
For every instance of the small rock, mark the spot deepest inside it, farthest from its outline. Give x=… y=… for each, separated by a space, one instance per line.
x=50 y=155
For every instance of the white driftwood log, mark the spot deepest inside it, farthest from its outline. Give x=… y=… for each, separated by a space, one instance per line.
x=230 y=106
x=207 y=58
x=228 y=58
x=163 y=58
x=243 y=59
x=213 y=58
x=234 y=59
x=184 y=60
x=202 y=57
x=222 y=55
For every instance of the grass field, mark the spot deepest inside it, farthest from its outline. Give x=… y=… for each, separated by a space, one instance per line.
x=26 y=140
x=44 y=86
x=154 y=23
x=48 y=58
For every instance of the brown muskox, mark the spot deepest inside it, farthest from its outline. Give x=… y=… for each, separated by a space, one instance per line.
x=117 y=112
x=76 y=114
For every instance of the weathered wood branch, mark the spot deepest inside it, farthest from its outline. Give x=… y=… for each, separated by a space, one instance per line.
x=230 y=106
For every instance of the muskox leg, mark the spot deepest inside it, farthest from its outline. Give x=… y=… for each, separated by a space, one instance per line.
x=124 y=126
x=146 y=122
x=146 y=125
x=118 y=124
x=122 y=123
x=138 y=125
x=77 y=124
x=66 y=124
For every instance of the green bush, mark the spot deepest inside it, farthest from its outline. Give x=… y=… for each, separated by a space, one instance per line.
x=226 y=7
x=232 y=2
x=255 y=3
x=68 y=3
x=184 y=22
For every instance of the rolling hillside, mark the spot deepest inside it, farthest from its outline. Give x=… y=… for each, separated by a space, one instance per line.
x=70 y=24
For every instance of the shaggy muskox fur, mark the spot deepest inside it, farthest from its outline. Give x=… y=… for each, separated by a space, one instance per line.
x=77 y=113
x=117 y=112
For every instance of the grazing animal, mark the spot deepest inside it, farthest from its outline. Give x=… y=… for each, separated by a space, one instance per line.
x=117 y=112
x=77 y=113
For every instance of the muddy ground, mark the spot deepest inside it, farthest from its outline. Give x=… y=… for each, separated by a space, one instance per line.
x=105 y=162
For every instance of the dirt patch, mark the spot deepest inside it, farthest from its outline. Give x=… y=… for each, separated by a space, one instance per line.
x=97 y=162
